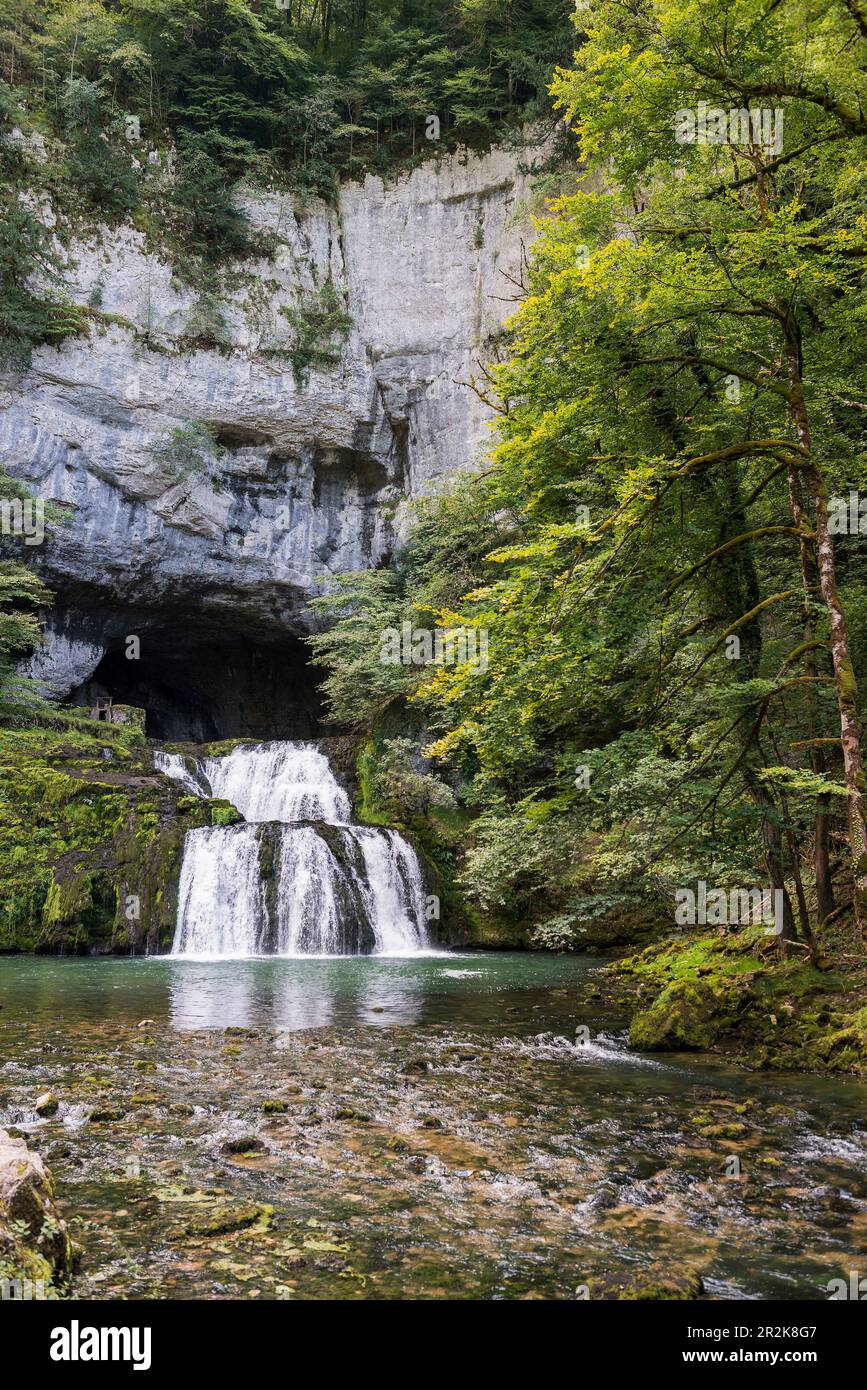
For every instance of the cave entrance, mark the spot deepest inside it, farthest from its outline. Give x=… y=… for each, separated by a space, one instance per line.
x=198 y=688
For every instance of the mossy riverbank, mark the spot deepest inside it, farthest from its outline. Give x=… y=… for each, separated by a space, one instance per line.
x=732 y=993
x=90 y=839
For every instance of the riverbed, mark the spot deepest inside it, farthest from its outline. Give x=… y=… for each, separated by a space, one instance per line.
x=435 y=1126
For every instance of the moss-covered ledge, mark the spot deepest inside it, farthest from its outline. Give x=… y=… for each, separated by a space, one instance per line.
x=91 y=839
x=732 y=992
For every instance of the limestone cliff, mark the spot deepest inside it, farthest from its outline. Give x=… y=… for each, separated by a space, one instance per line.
x=309 y=467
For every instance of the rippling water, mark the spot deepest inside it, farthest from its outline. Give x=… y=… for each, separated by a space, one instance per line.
x=446 y=1125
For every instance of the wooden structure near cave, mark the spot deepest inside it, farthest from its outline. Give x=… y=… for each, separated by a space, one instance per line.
x=107 y=712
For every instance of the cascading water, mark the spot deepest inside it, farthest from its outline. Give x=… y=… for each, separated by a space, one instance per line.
x=296 y=878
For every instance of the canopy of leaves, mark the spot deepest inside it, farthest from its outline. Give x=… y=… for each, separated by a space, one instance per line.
x=659 y=701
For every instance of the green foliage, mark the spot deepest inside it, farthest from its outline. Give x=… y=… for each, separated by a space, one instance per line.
x=187 y=451
x=555 y=934
x=637 y=513
x=198 y=207
x=314 y=89
x=320 y=325
x=21 y=594
x=158 y=111
x=96 y=168
x=397 y=783
x=359 y=686
x=31 y=311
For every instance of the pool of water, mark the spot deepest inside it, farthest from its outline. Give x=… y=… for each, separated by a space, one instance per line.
x=273 y=992
x=455 y=1125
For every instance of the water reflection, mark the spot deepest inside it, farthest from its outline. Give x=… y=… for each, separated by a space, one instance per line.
x=195 y=1003
x=291 y=995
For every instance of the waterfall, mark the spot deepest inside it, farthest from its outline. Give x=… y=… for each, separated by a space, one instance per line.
x=296 y=878
x=221 y=902
x=268 y=781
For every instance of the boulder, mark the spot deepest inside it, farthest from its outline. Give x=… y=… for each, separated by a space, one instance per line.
x=687 y=1015
x=35 y=1249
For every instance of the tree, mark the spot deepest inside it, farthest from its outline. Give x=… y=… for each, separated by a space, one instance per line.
x=683 y=389
x=769 y=233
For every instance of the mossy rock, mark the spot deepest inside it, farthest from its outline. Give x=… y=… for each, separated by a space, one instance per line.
x=688 y=1015
x=658 y=1282
x=845 y=1049
x=34 y=1241
x=225 y=1219
x=90 y=848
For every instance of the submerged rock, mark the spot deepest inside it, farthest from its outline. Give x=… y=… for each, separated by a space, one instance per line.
x=654 y=1282
x=46 y=1104
x=242 y=1144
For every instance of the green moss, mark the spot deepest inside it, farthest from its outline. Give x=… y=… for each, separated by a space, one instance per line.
x=736 y=991
x=687 y=1014
x=90 y=845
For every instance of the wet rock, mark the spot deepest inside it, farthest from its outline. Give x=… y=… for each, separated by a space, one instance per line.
x=107 y=1115
x=655 y=1282
x=242 y=1144
x=223 y=1220
x=46 y=1104
x=274 y=1107
x=34 y=1241
x=603 y=1199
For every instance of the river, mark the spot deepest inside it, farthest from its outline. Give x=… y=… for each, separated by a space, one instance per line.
x=443 y=1125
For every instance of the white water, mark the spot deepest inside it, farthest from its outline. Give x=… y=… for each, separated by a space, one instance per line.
x=221 y=905
x=267 y=782
x=274 y=886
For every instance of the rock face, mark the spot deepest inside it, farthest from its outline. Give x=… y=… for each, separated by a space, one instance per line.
x=309 y=467
x=34 y=1243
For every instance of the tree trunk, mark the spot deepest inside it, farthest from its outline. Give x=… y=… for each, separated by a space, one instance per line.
x=772 y=841
x=821 y=855
x=825 y=903
x=844 y=672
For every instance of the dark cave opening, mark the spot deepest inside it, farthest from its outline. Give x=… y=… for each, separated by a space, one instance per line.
x=202 y=686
